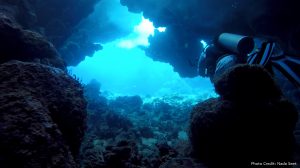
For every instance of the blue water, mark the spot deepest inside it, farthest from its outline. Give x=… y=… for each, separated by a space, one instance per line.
x=123 y=68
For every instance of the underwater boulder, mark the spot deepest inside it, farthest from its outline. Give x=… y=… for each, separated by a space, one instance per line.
x=247 y=83
x=24 y=45
x=250 y=121
x=42 y=116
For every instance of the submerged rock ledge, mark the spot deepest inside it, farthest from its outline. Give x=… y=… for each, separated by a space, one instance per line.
x=42 y=116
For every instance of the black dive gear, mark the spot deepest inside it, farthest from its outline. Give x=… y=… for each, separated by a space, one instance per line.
x=231 y=49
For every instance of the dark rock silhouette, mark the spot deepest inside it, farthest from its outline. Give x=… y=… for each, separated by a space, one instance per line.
x=250 y=122
x=190 y=21
x=177 y=46
x=42 y=110
x=42 y=116
x=75 y=51
x=56 y=20
x=25 y=45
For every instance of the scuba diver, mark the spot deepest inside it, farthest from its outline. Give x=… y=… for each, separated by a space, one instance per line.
x=229 y=49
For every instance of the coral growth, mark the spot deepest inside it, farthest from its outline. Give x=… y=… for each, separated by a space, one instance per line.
x=131 y=131
x=42 y=116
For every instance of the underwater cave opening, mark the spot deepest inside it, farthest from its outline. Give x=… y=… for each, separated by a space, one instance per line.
x=123 y=68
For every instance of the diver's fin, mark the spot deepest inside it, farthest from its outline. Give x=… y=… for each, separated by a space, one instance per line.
x=289 y=66
x=263 y=56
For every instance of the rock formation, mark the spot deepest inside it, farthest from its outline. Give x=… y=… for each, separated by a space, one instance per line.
x=42 y=108
x=250 y=122
x=24 y=45
x=42 y=116
x=190 y=21
x=56 y=20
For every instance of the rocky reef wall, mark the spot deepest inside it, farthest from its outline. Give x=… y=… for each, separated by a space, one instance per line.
x=42 y=108
x=42 y=116
x=56 y=20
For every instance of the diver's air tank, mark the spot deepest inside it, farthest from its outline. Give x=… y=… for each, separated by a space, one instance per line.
x=236 y=43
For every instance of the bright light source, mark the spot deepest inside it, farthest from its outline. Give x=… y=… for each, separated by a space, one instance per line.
x=204 y=44
x=139 y=36
x=161 y=29
x=145 y=28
